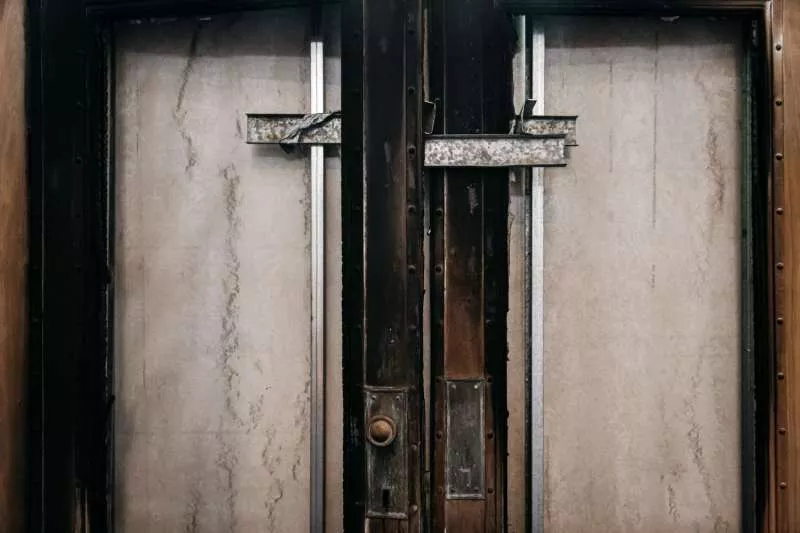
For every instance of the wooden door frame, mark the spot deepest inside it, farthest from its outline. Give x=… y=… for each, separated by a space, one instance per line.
x=70 y=119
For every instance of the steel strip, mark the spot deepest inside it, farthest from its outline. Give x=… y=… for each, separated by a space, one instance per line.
x=317 y=518
x=494 y=151
x=537 y=297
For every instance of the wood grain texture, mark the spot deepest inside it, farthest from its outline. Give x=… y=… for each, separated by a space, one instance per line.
x=12 y=264
x=786 y=61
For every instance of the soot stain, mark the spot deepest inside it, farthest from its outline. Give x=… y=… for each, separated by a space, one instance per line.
x=226 y=462
x=191 y=515
x=229 y=340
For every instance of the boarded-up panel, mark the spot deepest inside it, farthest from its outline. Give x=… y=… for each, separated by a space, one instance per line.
x=641 y=278
x=213 y=278
x=13 y=251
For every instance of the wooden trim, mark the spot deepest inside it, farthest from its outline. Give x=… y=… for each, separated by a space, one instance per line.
x=13 y=259
x=584 y=7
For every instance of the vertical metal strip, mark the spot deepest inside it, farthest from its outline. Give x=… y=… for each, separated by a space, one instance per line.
x=317 y=519
x=537 y=297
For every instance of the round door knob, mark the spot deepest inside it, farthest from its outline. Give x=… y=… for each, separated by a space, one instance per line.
x=381 y=431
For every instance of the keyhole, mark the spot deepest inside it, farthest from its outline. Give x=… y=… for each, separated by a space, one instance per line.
x=385 y=498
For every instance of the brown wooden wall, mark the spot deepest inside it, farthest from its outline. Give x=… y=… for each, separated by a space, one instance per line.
x=13 y=246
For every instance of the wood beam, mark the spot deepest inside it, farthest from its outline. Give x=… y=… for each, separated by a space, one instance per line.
x=13 y=254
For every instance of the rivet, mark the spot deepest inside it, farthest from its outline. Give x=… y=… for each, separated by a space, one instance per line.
x=779 y=266
x=780 y=320
x=414 y=508
x=781 y=375
x=412 y=90
x=78 y=160
x=779 y=156
x=779 y=210
x=782 y=484
x=782 y=431
x=439 y=211
x=439 y=434
x=488 y=379
x=414 y=447
x=438 y=269
x=439 y=379
x=779 y=101
x=412 y=209
x=412 y=269
x=412 y=150
x=779 y=46
x=490 y=490
x=490 y=435
x=412 y=327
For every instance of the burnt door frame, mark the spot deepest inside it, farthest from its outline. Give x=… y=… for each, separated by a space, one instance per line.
x=70 y=102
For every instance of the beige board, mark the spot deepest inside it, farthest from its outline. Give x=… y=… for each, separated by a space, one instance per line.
x=212 y=331
x=641 y=280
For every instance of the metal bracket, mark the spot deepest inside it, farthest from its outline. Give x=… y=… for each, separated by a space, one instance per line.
x=534 y=140
x=465 y=457
x=386 y=428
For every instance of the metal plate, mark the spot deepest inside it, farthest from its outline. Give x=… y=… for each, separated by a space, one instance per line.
x=465 y=468
x=320 y=128
x=495 y=151
x=387 y=466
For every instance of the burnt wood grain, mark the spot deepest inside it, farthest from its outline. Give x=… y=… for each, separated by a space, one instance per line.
x=470 y=82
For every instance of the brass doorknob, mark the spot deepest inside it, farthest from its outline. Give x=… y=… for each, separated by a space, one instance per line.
x=381 y=431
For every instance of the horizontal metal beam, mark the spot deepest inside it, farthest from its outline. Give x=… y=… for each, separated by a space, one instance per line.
x=551 y=125
x=321 y=128
x=495 y=151
x=538 y=141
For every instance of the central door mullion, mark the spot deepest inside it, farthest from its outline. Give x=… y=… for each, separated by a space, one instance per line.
x=386 y=442
x=470 y=82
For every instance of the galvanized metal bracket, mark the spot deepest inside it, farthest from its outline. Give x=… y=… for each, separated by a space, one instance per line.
x=539 y=141
x=465 y=445
x=388 y=475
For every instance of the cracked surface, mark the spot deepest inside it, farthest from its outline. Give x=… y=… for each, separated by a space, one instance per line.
x=213 y=295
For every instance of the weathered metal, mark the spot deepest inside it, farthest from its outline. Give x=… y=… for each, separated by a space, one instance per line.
x=315 y=128
x=495 y=151
x=465 y=459
x=550 y=125
x=539 y=141
x=387 y=459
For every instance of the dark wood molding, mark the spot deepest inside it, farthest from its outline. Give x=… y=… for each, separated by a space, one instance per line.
x=634 y=7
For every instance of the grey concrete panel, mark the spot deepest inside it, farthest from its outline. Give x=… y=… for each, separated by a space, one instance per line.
x=642 y=278
x=641 y=254
x=213 y=278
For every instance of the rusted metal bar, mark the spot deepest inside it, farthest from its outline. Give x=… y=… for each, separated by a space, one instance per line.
x=551 y=125
x=316 y=128
x=495 y=151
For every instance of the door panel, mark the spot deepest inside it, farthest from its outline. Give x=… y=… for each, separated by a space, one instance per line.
x=642 y=237
x=213 y=313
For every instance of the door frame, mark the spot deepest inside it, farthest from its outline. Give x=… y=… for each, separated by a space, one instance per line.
x=70 y=103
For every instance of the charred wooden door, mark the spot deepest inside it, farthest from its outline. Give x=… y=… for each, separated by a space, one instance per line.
x=470 y=83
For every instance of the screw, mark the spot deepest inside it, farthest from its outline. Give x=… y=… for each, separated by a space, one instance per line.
x=412 y=90
x=438 y=269
x=414 y=447
x=412 y=209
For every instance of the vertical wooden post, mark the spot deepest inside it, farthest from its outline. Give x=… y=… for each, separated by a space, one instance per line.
x=13 y=253
x=381 y=151
x=470 y=80
x=786 y=260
